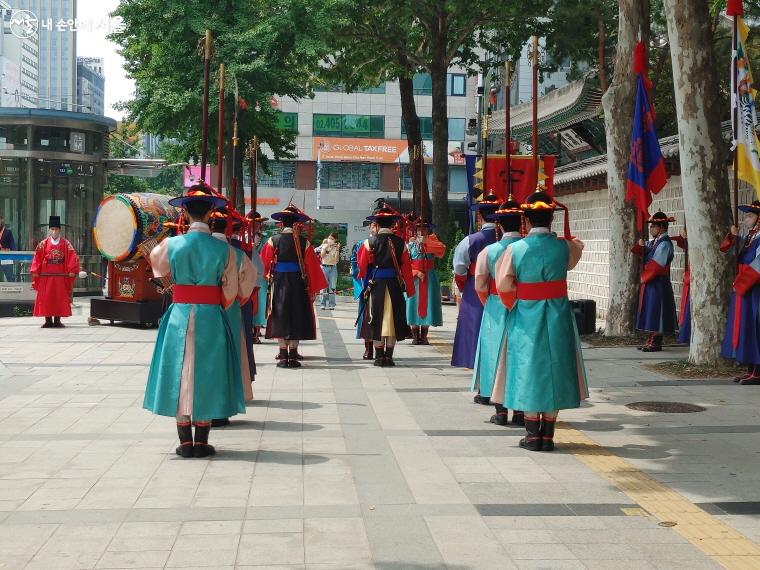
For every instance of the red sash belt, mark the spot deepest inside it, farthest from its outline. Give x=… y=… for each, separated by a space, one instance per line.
x=541 y=291
x=198 y=294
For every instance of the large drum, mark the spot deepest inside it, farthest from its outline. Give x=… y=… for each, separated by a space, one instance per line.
x=124 y=221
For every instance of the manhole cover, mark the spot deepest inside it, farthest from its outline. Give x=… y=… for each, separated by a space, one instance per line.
x=666 y=407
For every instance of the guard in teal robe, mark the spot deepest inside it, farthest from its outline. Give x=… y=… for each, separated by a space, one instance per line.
x=545 y=370
x=489 y=371
x=261 y=290
x=195 y=371
x=423 y=308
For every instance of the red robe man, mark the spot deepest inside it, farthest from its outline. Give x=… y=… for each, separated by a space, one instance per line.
x=54 y=268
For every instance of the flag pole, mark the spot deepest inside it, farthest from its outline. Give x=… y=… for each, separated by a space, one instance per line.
x=204 y=116
x=534 y=137
x=235 y=144
x=735 y=9
x=220 y=133
x=508 y=126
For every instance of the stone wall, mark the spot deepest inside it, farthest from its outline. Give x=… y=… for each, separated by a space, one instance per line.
x=589 y=221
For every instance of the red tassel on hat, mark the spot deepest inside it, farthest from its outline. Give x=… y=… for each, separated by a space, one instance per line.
x=734 y=8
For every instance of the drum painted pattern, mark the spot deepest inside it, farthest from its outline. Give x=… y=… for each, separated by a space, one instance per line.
x=124 y=221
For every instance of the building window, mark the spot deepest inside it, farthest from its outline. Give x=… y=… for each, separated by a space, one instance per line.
x=288 y=122
x=283 y=175
x=456 y=84
x=456 y=128
x=349 y=176
x=377 y=90
x=422 y=83
x=359 y=126
x=13 y=137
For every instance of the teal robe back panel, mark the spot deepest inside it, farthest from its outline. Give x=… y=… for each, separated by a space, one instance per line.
x=434 y=317
x=493 y=328
x=545 y=368
x=196 y=259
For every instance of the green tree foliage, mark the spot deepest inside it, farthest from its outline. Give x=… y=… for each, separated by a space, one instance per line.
x=268 y=46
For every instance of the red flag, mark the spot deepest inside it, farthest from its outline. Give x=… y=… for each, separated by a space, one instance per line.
x=523 y=176
x=734 y=8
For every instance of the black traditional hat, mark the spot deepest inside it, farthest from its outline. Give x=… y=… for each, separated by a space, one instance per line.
x=510 y=207
x=291 y=212
x=660 y=218
x=54 y=222
x=539 y=201
x=255 y=217
x=753 y=208
x=220 y=216
x=200 y=192
x=384 y=212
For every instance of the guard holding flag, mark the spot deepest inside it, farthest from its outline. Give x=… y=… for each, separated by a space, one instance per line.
x=742 y=339
x=295 y=277
x=657 y=305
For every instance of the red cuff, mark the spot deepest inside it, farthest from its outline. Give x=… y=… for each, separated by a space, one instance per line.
x=727 y=242
x=651 y=270
x=680 y=242
x=637 y=249
x=746 y=280
x=460 y=280
x=483 y=296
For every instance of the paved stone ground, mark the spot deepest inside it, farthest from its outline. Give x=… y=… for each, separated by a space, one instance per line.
x=343 y=465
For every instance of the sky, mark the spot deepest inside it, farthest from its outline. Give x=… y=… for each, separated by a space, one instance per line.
x=93 y=43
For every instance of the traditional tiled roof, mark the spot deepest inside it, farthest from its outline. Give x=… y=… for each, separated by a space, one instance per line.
x=557 y=110
x=597 y=165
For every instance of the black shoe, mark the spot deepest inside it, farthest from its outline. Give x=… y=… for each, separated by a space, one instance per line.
x=282 y=364
x=185 y=450
x=369 y=350
x=518 y=418
x=293 y=358
x=500 y=419
x=293 y=363
x=533 y=440
x=203 y=450
x=220 y=422
x=47 y=324
x=379 y=357
x=282 y=355
x=652 y=348
x=424 y=336
x=478 y=399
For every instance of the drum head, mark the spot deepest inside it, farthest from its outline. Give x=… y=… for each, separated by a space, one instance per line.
x=115 y=228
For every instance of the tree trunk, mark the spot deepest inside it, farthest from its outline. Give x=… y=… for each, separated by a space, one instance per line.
x=440 y=146
x=703 y=172
x=602 y=47
x=618 y=121
x=414 y=138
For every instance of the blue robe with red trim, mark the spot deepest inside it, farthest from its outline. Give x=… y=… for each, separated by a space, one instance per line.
x=657 y=305
x=747 y=350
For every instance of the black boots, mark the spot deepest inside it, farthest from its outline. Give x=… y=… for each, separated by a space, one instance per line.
x=654 y=343
x=424 y=335
x=282 y=358
x=48 y=323
x=547 y=433
x=416 y=335
x=388 y=360
x=379 y=356
x=185 y=433
x=202 y=447
x=483 y=400
x=518 y=418
x=57 y=323
x=533 y=440
x=369 y=353
x=293 y=358
x=501 y=417
x=256 y=335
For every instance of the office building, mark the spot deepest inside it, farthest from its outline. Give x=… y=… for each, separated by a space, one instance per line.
x=90 y=85
x=57 y=51
x=19 y=64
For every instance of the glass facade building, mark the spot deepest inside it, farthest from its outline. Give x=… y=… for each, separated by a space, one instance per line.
x=51 y=163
